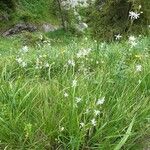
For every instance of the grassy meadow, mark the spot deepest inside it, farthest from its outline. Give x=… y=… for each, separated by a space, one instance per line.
x=71 y=93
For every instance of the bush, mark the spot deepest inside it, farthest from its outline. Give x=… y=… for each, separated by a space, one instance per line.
x=112 y=17
x=7 y=5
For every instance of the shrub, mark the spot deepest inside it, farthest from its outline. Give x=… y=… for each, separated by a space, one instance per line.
x=71 y=15
x=7 y=5
x=111 y=17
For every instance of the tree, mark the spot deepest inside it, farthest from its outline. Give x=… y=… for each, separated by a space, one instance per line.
x=61 y=13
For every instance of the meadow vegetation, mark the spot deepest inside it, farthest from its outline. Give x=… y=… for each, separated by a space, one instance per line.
x=84 y=86
x=76 y=95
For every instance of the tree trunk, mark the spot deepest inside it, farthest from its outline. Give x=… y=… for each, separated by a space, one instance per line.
x=61 y=14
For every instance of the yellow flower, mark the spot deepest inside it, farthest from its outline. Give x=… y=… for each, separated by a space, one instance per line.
x=62 y=51
x=44 y=55
x=138 y=56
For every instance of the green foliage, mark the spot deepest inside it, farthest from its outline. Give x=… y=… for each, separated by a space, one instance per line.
x=7 y=5
x=35 y=113
x=31 y=39
x=28 y=11
x=66 y=16
x=112 y=17
x=34 y=10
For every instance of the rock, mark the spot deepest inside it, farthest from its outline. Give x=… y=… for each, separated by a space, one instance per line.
x=19 y=28
x=49 y=28
x=81 y=26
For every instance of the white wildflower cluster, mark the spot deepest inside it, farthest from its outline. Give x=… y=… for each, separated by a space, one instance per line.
x=21 y=62
x=96 y=112
x=42 y=63
x=83 y=52
x=19 y=59
x=132 y=41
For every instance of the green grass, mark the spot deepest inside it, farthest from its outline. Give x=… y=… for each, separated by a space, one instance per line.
x=36 y=112
x=35 y=12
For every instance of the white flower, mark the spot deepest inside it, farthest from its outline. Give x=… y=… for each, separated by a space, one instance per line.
x=19 y=60
x=132 y=41
x=76 y=13
x=41 y=37
x=118 y=37
x=96 y=112
x=79 y=54
x=66 y=94
x=100 y=101
x=134 y=15
x=82 y=124
x=83 y=53
x=86 y=38
x=102 y=62
x=36 y=67
x=71 y=62
x=79 y=18
x=78 y=99
x=24 y=49
x=23 y=64
x=138 y=68
x=102 y=45
x=140 y=6
x=87 y=111
x=61 y=129
x=133 y=44
x=93 y=122
x=74 y=83
x=132 y=38
x=47 y=65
